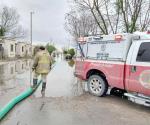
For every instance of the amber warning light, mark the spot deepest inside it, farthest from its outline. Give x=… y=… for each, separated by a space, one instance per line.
x=118 y=38
x=82 y=39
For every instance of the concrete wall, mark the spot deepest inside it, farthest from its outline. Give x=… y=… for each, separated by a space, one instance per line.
x=20 y=49
x=9 y=48
x=28 y=50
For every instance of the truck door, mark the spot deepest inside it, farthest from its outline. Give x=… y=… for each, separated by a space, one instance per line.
x=79 y=60
x=138 y=75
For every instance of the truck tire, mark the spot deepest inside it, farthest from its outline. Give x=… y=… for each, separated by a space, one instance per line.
x=97 y=85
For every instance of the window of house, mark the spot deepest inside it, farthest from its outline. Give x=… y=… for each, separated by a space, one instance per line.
x=0 y=47
x=144 y=53
x=22 y=49
x=1 y=69
x=12 y=48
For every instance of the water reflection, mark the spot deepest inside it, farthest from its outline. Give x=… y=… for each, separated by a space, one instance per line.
x=14 y=79
x=71 y=63
x=15 y=76
x=7 y=71
x=78 y=87
x=11 y=72
x=62 y=83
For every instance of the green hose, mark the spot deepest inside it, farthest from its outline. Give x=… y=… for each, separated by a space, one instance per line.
x=17 y=99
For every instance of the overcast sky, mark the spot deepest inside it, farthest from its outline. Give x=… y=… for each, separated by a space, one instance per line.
x=48 y=20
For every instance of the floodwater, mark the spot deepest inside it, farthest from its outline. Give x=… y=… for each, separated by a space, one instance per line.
x=66 y=100
x=61 y=82
x=14 y=79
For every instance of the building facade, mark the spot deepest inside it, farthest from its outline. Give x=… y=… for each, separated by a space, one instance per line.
x=20 y=49
x=7 y=48
x=28 y=50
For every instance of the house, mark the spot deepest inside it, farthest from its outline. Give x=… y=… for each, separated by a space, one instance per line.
x=20 y=49
x=7 y=48
x=28 y=50
x=23 y=49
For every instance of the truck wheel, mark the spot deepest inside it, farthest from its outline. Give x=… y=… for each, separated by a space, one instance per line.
x=97 y=85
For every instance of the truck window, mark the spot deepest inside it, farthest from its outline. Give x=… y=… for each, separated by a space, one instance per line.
x=107 y=50
x=144 y=53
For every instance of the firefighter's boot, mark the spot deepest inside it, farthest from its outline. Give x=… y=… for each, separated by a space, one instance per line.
x=43 y=87
x=34 y=83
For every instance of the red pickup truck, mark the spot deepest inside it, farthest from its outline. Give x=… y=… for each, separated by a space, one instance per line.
x=120 y=62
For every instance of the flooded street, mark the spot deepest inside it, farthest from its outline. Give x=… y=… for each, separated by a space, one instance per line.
x=64 y=84
x=14 y=79
x=66 y=100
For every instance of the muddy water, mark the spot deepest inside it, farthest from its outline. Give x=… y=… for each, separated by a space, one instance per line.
x=77 y=110
x=14 y=79
x=61 y=82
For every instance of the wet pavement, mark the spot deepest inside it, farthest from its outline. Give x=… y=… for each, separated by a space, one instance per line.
x=66 y=102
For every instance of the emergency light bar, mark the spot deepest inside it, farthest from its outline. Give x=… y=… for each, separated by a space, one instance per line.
x=82 y=39
x=118 y=38
x=148 y=32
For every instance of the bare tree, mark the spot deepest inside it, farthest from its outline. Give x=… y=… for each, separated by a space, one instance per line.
x=80 y=24
x=114 y=16
x=94 y=7
x=9 y=24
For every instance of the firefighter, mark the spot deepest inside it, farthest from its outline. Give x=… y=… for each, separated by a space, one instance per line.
x=41 y=66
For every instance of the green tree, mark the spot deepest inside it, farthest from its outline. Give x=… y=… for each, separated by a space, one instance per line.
x=71 y=52
x=50 y=48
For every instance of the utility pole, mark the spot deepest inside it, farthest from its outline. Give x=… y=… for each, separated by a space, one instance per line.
x=31 y=14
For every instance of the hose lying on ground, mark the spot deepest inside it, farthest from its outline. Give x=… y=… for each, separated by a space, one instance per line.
x=17 y=99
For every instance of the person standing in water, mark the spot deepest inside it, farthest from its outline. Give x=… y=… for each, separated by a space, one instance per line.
x=41 y=66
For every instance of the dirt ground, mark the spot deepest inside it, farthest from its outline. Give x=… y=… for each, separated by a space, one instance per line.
x=81 y=110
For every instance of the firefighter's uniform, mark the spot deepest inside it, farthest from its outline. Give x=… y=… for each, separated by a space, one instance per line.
x=41 y=66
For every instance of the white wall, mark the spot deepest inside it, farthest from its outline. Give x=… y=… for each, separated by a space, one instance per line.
x=7 y=48
x=19 y=51
x=28 y=50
